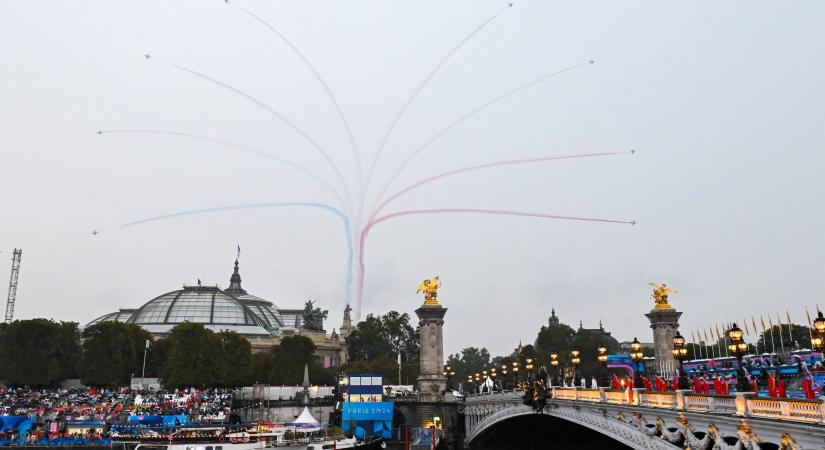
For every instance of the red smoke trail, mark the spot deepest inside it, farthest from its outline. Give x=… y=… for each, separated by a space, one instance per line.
x=479 y=167
x=414 y=212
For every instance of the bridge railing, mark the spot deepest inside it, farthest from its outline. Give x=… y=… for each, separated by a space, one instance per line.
x=743 y=404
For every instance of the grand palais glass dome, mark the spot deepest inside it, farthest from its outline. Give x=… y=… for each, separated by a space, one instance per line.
x=231 y=309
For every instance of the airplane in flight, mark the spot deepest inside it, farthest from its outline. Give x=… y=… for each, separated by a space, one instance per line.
x=99 y=132
x=94 y=232
x=147 y=56
x=509 y=5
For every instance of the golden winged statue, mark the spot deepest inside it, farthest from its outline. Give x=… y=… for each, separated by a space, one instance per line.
x=430 y=289
x=660 y=295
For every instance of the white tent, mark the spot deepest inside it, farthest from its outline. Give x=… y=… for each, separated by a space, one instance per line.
x=305 y=418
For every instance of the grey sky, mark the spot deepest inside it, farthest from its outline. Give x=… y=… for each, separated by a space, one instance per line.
x=722 y=100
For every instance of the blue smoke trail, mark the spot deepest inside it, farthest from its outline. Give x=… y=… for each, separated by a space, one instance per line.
x=323 y=206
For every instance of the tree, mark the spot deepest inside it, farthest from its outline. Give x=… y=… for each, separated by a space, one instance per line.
x=314 y=317
x=38 y=352
x=236 y=356
x=384 y=336
x=109 y=354
x=800 y=337
x=194 y=357
x=378 y=339
x=469 y=361
x=588 y=343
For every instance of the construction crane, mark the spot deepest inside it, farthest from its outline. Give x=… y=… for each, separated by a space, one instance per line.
x=15 y=272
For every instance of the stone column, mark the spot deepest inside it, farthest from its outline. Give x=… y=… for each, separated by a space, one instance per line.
x=431 y=381
x=664 y=322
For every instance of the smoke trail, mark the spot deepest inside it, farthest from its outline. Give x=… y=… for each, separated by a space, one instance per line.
x=283 y=119
x=415 y=93
x=324 y=84
x=420 y=183
x=338 y=213
x=251 y=150
x=498 y=212
x=468 y=115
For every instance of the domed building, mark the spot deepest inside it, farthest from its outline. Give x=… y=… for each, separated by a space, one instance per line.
x=232 y=309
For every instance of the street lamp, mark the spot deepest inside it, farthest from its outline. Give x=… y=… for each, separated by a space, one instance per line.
x=529 y=366
x=636 y=355
x=818 y=341
x=515 y=374
x=554 y=363
x=738 y=347
x=575 y=358
x=602 y=357
x=679 y=353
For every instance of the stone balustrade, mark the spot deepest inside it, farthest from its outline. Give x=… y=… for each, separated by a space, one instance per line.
x=743 y=405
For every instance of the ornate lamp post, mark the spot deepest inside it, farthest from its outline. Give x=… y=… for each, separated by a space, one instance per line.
x=636 y=355
x=680 y=353
x=602 y=357
x=448 y=374
x=738 y=347
x=515 y=374
x=818 y=341
x=470 y=383
x=529 y=367
x=503 y=376
x=554 y=363
x=575 y=359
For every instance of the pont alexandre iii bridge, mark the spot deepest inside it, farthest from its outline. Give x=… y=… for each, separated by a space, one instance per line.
x=664 y=420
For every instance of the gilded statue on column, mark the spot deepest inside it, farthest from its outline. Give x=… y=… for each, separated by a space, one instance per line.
x=660 y=295
x=430 y=289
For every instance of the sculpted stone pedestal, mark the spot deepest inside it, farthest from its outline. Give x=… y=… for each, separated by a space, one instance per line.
x=431 y=381
x=664 y=322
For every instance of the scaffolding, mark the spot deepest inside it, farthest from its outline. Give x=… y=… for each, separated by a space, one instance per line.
x=15 y=272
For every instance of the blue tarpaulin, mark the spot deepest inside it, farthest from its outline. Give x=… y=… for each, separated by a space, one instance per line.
x=19 y=424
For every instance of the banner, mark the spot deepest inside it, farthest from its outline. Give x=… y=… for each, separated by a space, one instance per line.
x=367 y=411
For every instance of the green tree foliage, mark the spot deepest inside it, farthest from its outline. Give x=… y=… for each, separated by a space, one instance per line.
x=555 y=339
x=588 y=343
x=38 y=352
x=800 y=335
x=374 y=343
x=194 y=357
x=111 y=353
x=383 y=336
x=285 y=363
x=236 y=357
x=469 y=361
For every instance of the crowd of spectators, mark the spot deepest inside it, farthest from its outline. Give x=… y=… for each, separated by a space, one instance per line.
x=114 y=405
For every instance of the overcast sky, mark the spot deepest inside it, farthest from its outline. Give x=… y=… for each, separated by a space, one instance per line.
x=723 y=102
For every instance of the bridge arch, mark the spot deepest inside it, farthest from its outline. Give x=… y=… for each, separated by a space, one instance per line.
x=619 y=431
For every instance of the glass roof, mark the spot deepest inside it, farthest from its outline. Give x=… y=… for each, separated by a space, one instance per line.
x=118 y=316
x=206 y=305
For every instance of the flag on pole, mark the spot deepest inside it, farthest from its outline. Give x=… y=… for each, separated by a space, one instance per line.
x=718 y=334
x=790 y=336
x=706 y=335
x=770 y=322
x=199 y=282
x=753 y=322
x=808 y=315
x=762 y=319
x=239 y=251
x=747 y=332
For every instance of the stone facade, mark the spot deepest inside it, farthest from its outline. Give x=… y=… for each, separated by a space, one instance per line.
x=431 y=381
x=664 y=323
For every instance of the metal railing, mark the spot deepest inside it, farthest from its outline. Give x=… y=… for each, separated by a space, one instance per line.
x=743 y=404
